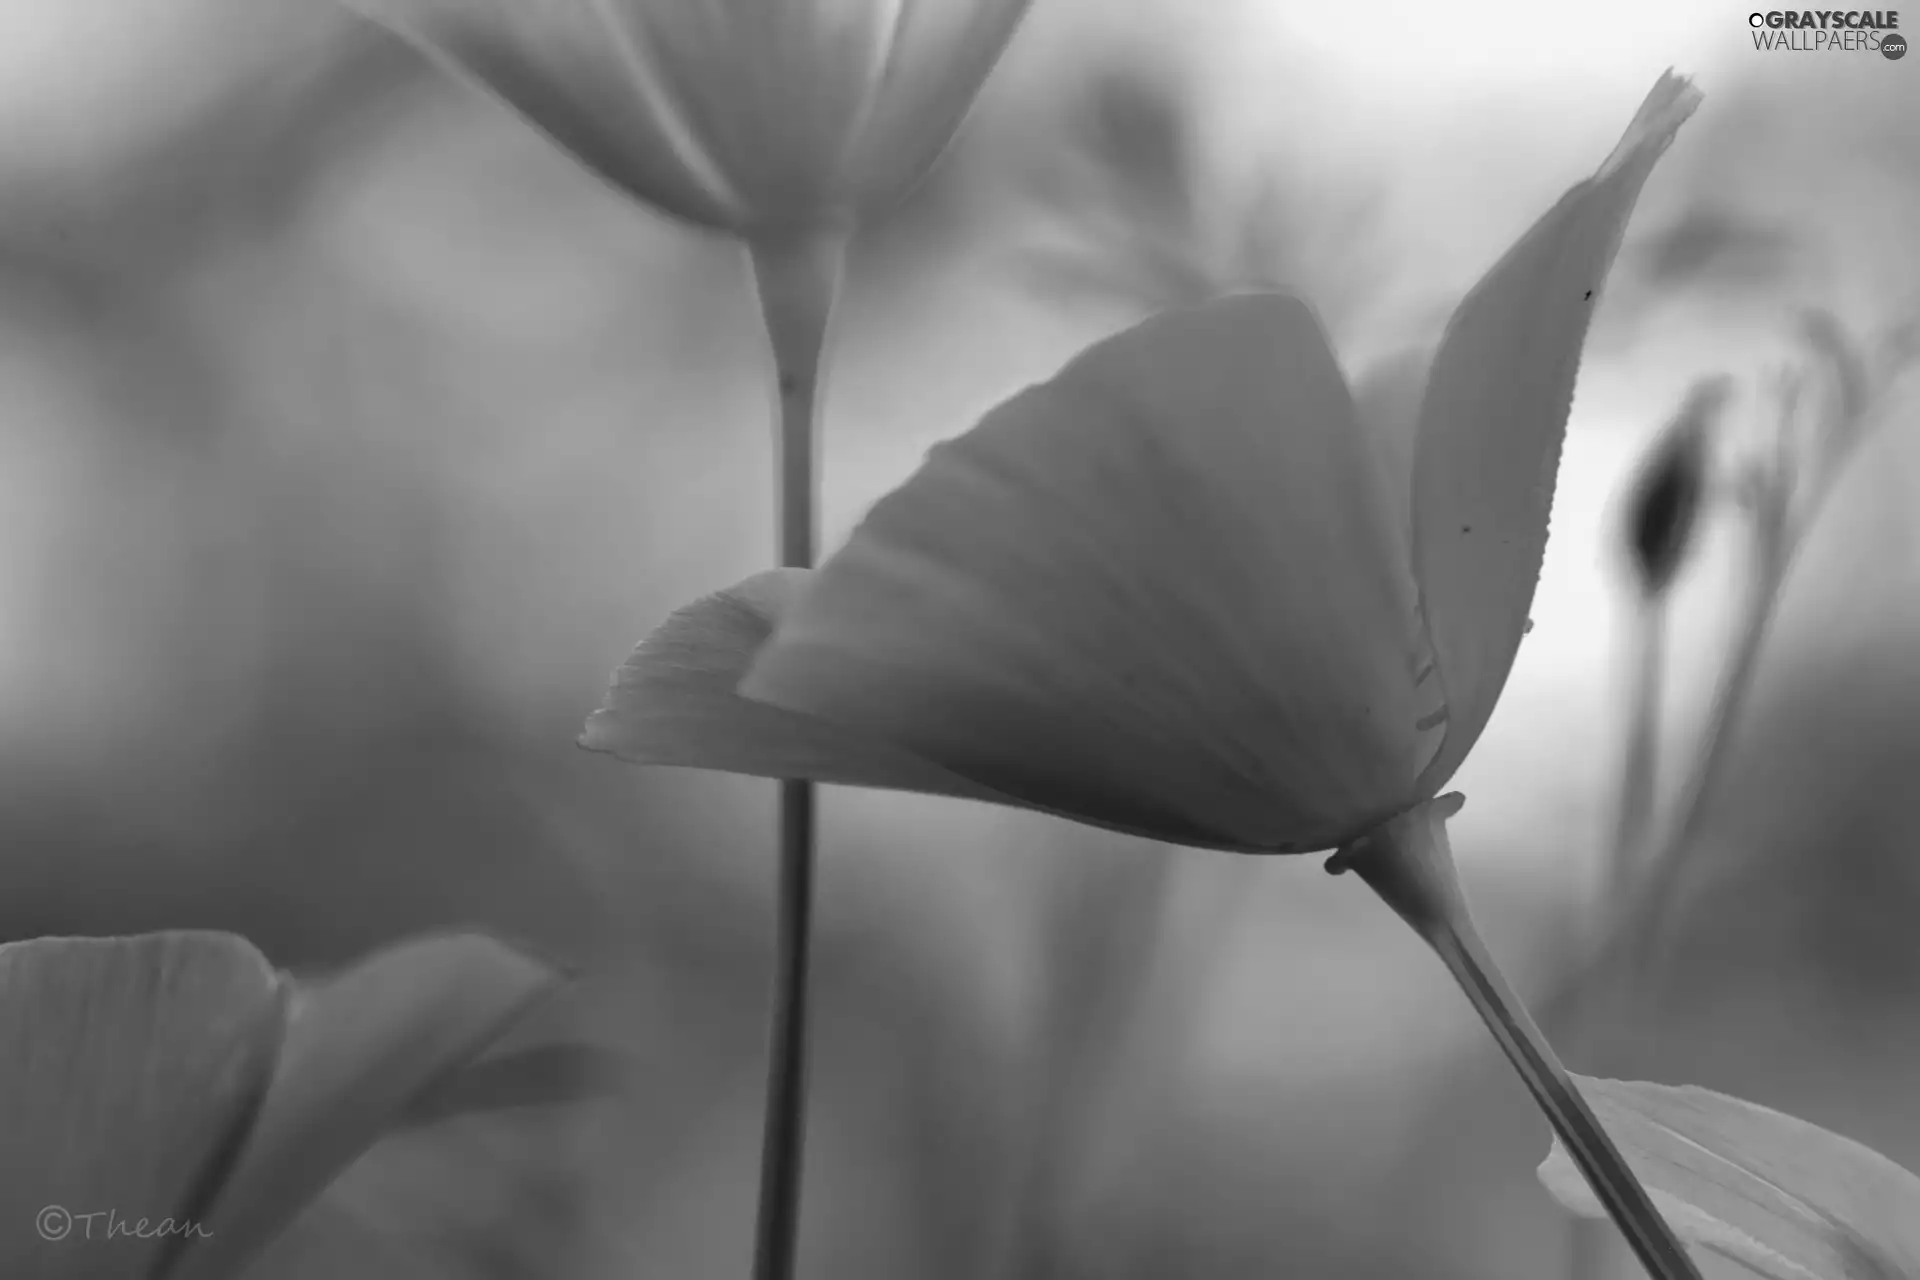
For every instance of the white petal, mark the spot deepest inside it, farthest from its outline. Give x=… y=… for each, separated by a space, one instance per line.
x=1158 y=592
x=564 y=69
x=941 y=52
x=130 y=1073
x=1495 y=414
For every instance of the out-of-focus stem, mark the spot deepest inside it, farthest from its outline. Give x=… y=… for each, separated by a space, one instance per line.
x=1409 y=864
x=1781 y=518
x=1649 y=901
x=1106 y=999
x=798 y=281
x=1590 y=1243
x=1633 y=819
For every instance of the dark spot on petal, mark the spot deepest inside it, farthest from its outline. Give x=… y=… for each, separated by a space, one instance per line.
x=1588 y=297
x=1466 y=528
x=789 y=383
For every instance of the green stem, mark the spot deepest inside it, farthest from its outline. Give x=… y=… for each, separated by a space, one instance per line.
x=798 y=281
x=1409 y=864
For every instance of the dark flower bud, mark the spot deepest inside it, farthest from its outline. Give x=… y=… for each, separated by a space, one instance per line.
x=1663 y=506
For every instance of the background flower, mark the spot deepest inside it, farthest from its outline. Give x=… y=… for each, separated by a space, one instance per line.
x=177 y=1085
x=758 y=119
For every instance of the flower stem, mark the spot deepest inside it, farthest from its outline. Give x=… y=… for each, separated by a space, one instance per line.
x=1589 y=1242
x=1409 y=864
x=798 y=281
x=1633 y=818
x=1647 y=907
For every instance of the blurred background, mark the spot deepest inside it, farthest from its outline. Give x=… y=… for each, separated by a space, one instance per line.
x=350 y=436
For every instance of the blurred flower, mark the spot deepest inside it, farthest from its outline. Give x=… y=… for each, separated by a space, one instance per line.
x=1129 y=213
x=171 y=1102
x=760 y=119
x=1663 y=506
x=1186 y=589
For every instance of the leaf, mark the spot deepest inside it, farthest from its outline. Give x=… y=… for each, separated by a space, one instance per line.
x=674 y=703
x=543 y=1076
x=1159 y=593
x=359 y=1048
x=1787 y=1198
x=1495 y=415
x=130 y=1069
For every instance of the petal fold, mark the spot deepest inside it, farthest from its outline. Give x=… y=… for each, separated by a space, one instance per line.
x=675 y=702
x=1494 y=418
x=1160 y=592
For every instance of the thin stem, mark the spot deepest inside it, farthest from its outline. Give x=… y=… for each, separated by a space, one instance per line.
x=1590 y=1243
x=1647 y=907
x=799 y=281
x=1780 y=522
x=1633 y=818
x=1409 y=864
x=1637 y=924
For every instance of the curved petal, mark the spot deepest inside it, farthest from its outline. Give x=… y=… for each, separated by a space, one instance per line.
x=774 y=92
x=130 y=1072
x=1386 y=399
x=1158 y=592
x=942 y=52
x=568 y=73
x=1494 y=417
x=359 y=1048
x=676 y=703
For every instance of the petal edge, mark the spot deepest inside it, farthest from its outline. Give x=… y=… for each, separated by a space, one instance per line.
x=1494 y=417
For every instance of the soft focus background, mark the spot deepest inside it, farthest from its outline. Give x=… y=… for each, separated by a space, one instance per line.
x=350 y=436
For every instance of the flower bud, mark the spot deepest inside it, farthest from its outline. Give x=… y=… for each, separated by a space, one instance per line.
x=1663 y=507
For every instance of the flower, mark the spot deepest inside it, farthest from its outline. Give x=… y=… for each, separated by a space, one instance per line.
x=171 y=1101
x=748 y=117
x=1192 y=588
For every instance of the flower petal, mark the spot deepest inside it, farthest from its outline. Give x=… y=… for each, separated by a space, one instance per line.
x=1386 y=399
x=568 y=73
x=775 y=93
x=1159 y=592
x=1494 y=417
x=674 y=702
x=942 y=51
x=130 y=1071
x=359 y=1049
